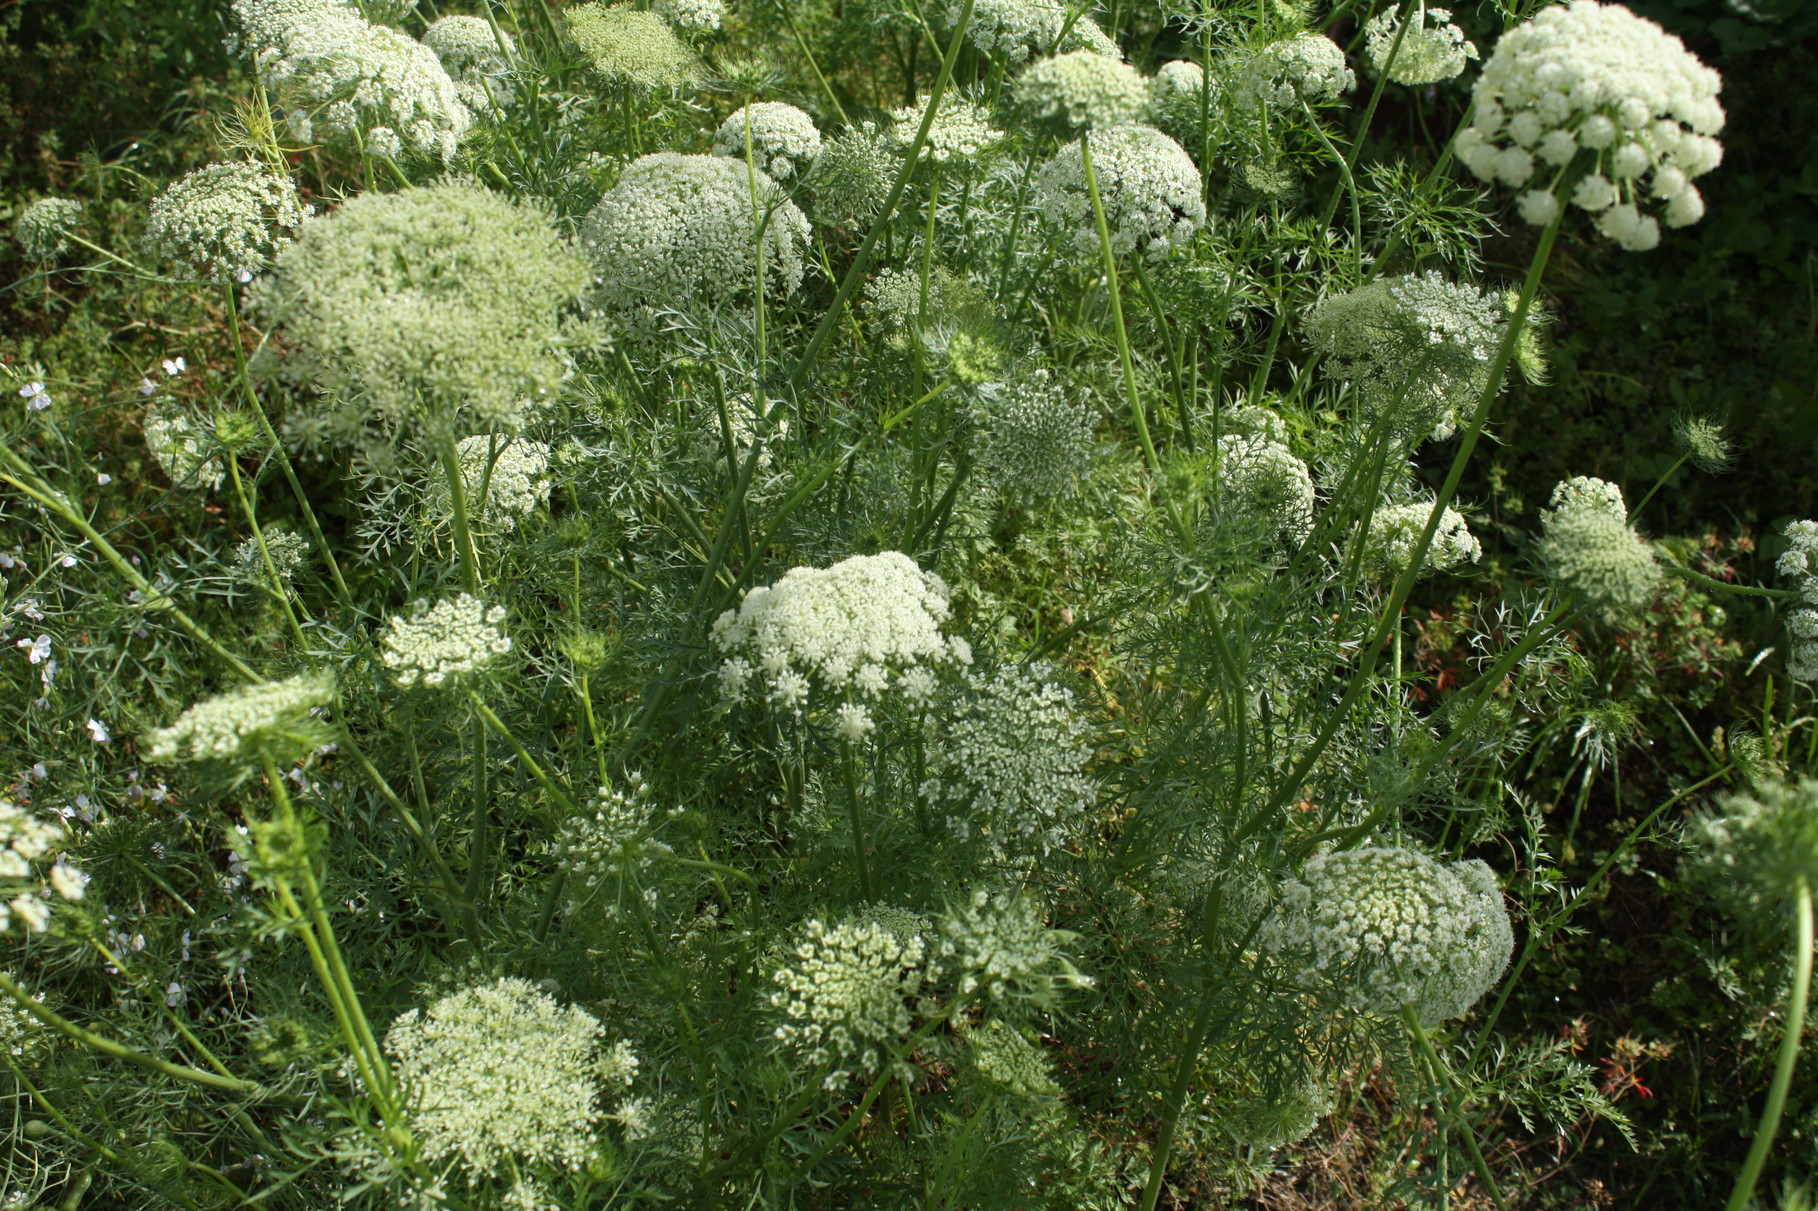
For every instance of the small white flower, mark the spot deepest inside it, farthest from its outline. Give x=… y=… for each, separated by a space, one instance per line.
x=243 y=275
x=31 y=389
x=146 y=386
x=173 y=366
x=38 y=649
x=103 y=478
x=97 y=731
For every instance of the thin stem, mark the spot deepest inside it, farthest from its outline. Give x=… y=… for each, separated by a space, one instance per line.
x=1789 y=1051
x=271 y=569
x=1724 y=586
x=850 y=777
x=1448 y=1105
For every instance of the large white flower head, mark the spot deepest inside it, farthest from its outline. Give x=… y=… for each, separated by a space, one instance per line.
x=1308 y=67
x=960 y=133
x=225 y=220
x=853 y=176
x=43 y=227
x=694 y=16
x=1762 y=844
x=1083 y=89
x=1432 y=51
x=32 y=876
x=476 y=57
x=1592 y=554
x=436 y=644
x=606 y=852
x=1180 y=95
x=630 y=48
x=1263 y=481
x=1416 y=349
x=1799 y=564
x=783 y=139
x=1395 y=927
x=848 y=994
x=426 y=304
x=1147 y=184
x=277 y=718
x=1395 y=529
x=183 y=447
x=863 y=625
x=678 y=228
x=1036 y=436
x=513 y=470
x=1596 y=78
x=1015 y=30
x=1007 y=763
x=342 y=79
x=500 y=1073
x=1000 y=944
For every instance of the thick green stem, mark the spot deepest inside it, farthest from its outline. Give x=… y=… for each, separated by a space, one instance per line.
x=850 y=777
x=457 y=497
x=1789 y=1052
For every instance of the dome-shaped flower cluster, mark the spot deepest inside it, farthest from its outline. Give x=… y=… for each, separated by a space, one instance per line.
x=513 y=472
x=1015 y=30
x=851 y=627
x=1596 y=78
x=1262 y=481
x=680 y=228
x=1416 y=349
x=27 y=846
x=1394 y=928
x=630 y=48
x=340 y=78
x=476 y=57
x=848 y=994
x=435 y=644
x=692 y=15
x=1762 y=843
x=605 y=852
x=1147 y=184
x=1308 y=67
x=1430 y=52
x=1007 y=763
x=224 y=221
x=273 y=718
x=1799 y=563
x=1083 y=89
x=1002 y=1056
x=43 y=228
x=960 y=133
x=1002 y=944
x=1036 y=436
x=1177 y=91
x=499 y=1074
x=1396 y=528
x=854 y=173
x=426 y=304
x=783 y=139
x=183 y=447
x=1592 y=554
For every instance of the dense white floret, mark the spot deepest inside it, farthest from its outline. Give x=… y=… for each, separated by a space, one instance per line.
x=1263 y=481
x=606 y=852
x=1597 y=78
x=1799 y=563
x=1036 y=436
x=1083 y=89
x=631 y=48
x=242 y=723
x=476 y=58
x=1592 y=554
x=1430 y=52
x=854 y=173
x=1177 y=91
x=1308 y=67
x=1001 y=945
x=224 y=221
x=692 y=15
x=182 y=446
x=848 y=994
x=961 y=130
x=32 y=876
x=43 y=227
x=1148 y=186
x=1396 y=528
x=437 y=643
x=1016 y=30
x=783 y=139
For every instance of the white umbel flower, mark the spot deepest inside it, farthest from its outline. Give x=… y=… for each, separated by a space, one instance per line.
x=1596 y=78
x=183 y=447
x=1396 y=528
x=43 y=227
x=1036 y=436
x=32 y=875
x=434 y=644
x=1263 y=481
x=1015 y=30
x=848 y=994
x=1799 y=563
x=500 y=1073
x=477 y=58
x=1000 y=944
x=851 y=627
x=631 y=49
x=783 y=139
x=1308 y=67
x=1588 y=492
x=1592 y=554
x=242 y=723
x=1083 y=89
x=960 y=133
x=225 y=219
x=607 y=851
x=1177 y=92
x=679 y=228
x=1147 y=184
x=514 y=473
x=694 y=16
x=1430 y=52
x=1394 y=927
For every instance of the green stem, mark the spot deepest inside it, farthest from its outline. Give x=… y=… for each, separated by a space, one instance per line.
x=850 y=778
x=1789 y=1052
x=271 y=569
x=457 y=497
x=1724 y=586
x=1448 y=1105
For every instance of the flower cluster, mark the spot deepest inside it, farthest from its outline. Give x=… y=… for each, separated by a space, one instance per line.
x=288 y=552
x=1083 y=89
x=854 y=173
x=1005 y=1058
x=1308 y=67
x=182 y=446
x=1596 y=78
x=1007 y=763
x=1036 y=435
x=783 y=139
x=448 y=640
x=1402 y=928
x=1760 y=845
x=501 y=1073
x=1177 y=91
x=1014 y=30
x=513 y=473
x=849 y=626
x=1002 y=944
x=225 y=220
x=680 y=228
x=343 y=79
x=1591 y=552
x=606 y=851
x=692 y=15
x=275 y=718
x=43 y=228
x=847 y=992
x=476 y=57
x=961 y=131
x=1262 y=480
x=1799 y=563
x=1430 y=52
x=1416 y=349
x=424 y=303
x=630 y=48
x=27 y=846
x=1395 y=529
x=1147 y=184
